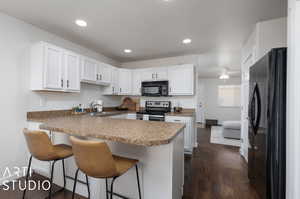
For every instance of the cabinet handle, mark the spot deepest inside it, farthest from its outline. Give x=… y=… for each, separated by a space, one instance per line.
x=177 y=121
x=156 y=76
x=97 y=77
x=152 y=76
x=62 y=83
x=170 y=89
x=100 y=77
x=120 y=90
x=68 y=83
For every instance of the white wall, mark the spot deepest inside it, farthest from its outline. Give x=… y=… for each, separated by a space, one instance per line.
x=210 y=103
x=293 y=102
x=16 y=99
x=271 y=34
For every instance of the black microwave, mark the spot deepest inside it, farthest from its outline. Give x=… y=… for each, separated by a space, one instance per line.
x=155 y=88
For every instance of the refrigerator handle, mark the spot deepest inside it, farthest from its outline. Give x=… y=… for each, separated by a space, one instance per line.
x=251 y=110
x=257 y=93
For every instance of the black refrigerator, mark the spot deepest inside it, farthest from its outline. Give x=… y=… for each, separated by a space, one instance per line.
x=267 y=125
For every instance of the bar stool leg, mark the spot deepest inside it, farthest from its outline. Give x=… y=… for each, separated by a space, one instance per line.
x=112 y=188
x=27 y=176
x=106 y=186
x=51 y=179
x=88 y=185
x=138 y=181
x=75 y=181
x=64 y=172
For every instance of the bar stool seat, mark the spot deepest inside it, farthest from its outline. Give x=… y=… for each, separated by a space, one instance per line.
x=62 y=151
x=124 y=164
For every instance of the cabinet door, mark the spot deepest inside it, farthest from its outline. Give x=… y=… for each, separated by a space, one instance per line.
x=113 y=88
x=103 y=74
x=161 y=74
x=148 y=75
x=124 y=82
x=115 y=81
x=89 y=70
x=106 y=73
x=181 y=80
x=187 y=131
x=72 y=71
x=136 y=82
x=53 y=68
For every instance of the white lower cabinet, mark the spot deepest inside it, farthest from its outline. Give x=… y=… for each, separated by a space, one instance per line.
x=131 y=116
x=189 y=131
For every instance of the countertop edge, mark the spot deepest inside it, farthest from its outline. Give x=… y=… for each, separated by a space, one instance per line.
x=117 y=139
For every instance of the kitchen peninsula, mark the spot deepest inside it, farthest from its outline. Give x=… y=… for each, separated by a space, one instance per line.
x=159 y=146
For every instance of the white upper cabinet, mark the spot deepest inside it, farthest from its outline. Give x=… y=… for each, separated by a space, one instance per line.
x=125 y=82
x=137 y=82
x=146 y=75
x=95 y=72
x=106 y=73
x=72 y=71
x=154 y=74
x=161 y=74
x=113 y=88
x=181 y=80
x=89 y=69
x=103 y=75
x=53 y=68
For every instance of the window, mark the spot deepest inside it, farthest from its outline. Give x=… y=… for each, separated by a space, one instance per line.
x=229 y=95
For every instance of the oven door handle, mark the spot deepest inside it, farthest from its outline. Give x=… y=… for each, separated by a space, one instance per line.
x=156 y=118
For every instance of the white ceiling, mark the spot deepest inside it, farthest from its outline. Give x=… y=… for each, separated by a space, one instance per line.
x=151 y=28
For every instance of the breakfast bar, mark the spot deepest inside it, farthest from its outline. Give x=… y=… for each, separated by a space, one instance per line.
x=159 y=147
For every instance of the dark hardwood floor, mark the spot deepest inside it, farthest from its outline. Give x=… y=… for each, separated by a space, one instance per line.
x=216 y=172
x=213 y=172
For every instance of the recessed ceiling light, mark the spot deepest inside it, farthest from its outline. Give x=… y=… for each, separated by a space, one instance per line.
x=81 y=23
x=187 y=41
x=127 y=51
x=224 y=76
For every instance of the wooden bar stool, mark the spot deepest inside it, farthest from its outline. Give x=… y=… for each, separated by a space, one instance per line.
x=96 y=160
x=41 y=148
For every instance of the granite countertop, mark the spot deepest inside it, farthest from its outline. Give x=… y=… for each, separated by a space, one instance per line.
x=137 y=132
